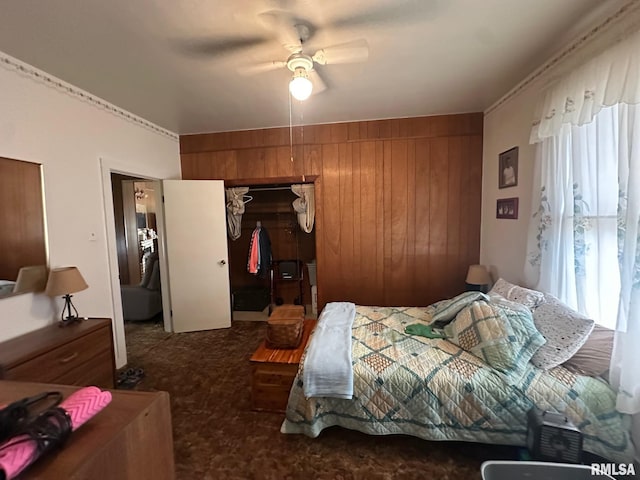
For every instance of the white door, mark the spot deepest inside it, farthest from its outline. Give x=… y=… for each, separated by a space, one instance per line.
x=196 y=253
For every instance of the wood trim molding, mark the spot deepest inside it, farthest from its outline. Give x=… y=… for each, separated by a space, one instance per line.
x=337 y=133
x=245 y=182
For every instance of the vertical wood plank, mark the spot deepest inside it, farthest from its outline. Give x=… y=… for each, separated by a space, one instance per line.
x=348 y=260
x=357 y=221
x=411 y=293
x=398 y=274
x=387 y=215
x=455 y=257
x=331 y=222
x=424 y=293
x=370 y=220
x=438 y=206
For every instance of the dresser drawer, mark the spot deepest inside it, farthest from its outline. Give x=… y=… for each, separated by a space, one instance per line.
x=52 y=365
x=276 y=375
x=97 y=371
x=270 y=399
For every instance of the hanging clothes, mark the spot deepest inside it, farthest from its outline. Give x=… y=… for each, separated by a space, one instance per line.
x=254 y=252
x=259 y=262
x=235 y=209
x=265 y=253
x=305 y=205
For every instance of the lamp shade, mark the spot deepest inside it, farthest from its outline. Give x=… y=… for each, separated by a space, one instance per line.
x=31 y=279
x=65 y=280
x=478 y=275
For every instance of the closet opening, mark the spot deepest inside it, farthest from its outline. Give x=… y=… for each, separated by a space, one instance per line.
x=272 y=212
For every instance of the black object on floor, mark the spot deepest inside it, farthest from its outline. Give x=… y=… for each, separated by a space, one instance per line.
x=128 y=379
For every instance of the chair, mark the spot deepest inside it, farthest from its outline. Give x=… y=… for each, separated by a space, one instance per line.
x=143 y=301
x=283 y=271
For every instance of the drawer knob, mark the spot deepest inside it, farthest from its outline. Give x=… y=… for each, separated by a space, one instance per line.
x=69 y=358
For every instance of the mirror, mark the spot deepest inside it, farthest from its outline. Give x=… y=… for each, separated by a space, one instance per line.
x=23 y=239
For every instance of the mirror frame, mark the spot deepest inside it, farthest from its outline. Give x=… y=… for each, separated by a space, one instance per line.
x=22 y=188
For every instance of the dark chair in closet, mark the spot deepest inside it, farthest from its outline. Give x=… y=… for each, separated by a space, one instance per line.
x=287 y=271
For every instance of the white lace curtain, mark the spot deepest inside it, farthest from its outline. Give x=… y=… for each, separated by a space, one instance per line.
x=235 y=209
x=610 y=78
x=305 y=205
x=584 y=236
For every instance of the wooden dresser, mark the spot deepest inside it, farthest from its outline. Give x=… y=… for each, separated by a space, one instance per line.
x=78 y=354
x=131 y=439
x=273 y=371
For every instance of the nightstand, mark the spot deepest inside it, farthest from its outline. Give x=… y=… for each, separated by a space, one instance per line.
x=273 y=371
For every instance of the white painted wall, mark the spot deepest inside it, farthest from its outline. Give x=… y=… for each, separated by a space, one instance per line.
x=68 y=136
x=503 y=241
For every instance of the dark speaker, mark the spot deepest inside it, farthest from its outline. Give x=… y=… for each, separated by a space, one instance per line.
x=552 y=437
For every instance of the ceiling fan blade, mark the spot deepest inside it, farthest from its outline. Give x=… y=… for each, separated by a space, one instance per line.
x=407 y=11
x=351 y=52
x=286 y=27
x=219 y=46
x=318 y=83
x=261 y=67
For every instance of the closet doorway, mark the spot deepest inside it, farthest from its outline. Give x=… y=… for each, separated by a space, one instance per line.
x=271 y=207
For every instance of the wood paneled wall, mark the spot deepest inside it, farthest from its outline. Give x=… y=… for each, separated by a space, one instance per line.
x=397 y=201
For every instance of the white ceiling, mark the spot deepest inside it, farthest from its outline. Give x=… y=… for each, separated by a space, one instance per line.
x=154 y=57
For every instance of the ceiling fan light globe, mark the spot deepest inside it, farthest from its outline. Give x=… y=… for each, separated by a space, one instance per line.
x=300 y=88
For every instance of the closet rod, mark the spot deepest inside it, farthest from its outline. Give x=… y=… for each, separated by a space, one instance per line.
x=268 y=189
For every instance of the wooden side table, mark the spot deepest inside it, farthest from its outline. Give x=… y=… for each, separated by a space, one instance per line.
x=273 y=371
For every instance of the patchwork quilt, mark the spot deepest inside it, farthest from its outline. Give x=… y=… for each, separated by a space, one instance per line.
x=433 y=389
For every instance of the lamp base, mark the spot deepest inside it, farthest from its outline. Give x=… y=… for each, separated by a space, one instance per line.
x=469 y=287
x=65 y=322
x=71 y=318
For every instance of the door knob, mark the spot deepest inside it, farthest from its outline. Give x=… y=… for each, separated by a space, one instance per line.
x=222 y=262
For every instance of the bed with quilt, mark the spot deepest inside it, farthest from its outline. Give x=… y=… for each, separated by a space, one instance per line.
x=376 y=370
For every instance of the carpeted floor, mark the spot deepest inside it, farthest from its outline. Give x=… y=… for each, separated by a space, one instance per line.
x=218 y=436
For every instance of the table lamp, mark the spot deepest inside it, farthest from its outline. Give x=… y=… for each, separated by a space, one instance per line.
x=31 y=279
x=65 y=281
x=477 y=278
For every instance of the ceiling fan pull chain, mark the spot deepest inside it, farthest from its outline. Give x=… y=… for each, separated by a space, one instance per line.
x=290 y=129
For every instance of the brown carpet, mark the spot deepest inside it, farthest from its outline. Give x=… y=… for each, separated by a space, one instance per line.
x=218 y=436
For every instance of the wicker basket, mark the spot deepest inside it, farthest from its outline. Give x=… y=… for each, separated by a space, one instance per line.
x=285 y=326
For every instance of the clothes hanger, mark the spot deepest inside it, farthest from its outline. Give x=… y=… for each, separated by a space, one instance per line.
x=246 y=198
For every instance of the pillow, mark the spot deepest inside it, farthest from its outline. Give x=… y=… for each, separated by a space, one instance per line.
x=565 y=330
x=496 y=299
x=515 y=293
x=446 y=310
x=594 y=356
x=504 y=338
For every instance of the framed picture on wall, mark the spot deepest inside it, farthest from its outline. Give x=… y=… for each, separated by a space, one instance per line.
x=508 y=168
x=507 y=208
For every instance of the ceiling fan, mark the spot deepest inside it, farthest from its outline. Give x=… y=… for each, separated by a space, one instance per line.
x=293 y=33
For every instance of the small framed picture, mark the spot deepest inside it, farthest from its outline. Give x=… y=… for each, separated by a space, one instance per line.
x=507 y=208
x=508 y=168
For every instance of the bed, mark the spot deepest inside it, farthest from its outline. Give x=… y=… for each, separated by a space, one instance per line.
x=436 y=390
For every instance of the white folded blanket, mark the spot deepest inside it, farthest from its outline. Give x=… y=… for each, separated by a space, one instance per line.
x=327 y=370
